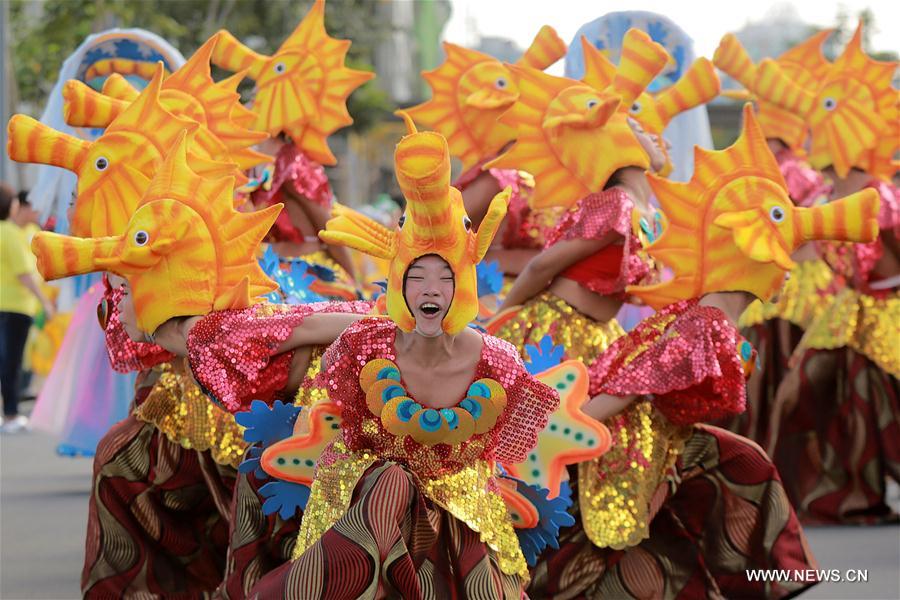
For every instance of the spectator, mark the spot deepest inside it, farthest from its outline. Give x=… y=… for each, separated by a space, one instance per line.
x=20 y=300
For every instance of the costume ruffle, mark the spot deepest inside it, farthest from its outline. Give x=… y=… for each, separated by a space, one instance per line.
x=594 y=217
x=685 y=356
x=233 y=352
x=126 y=355
x=805 y=184
x=305 y=177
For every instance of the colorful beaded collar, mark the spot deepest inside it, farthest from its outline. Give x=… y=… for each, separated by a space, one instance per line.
x=401 y=415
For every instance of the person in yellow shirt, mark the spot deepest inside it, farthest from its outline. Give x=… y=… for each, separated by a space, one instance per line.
x=21 y=299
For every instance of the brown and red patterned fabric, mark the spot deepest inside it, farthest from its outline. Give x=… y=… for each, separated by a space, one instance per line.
x=723 y=511
x=158 y=515
x=392 y=543
x=838 y=437
x=258 y=543
x=774 y=341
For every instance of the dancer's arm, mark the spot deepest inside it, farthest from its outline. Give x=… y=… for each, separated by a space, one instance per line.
x=540 y=271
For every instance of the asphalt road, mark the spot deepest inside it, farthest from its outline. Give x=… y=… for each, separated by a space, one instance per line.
x=43 y=511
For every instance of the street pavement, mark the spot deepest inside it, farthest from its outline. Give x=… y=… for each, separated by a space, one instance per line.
x=43 y=512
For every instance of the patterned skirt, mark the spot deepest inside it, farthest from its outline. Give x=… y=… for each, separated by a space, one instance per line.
x=392 y=542
x=775 y=341
x=158 y=517
x=721 y=510
x=836 y=437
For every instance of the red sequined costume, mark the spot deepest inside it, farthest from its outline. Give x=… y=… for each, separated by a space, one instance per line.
x=389 y=515
x=524 y=227
x=644 y=508
x=805 y=185
x=775 y=328
x=233 y=356
x=836 y=430
x=163 y=479
x=296 y=175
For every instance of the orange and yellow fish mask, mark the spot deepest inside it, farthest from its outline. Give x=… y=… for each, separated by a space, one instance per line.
x=470 y=91
x=571 y=136
x=302 y=89
x=115 y=169
x=654 y=112
x=732 y=227
x=853 y=111
x=189 y=92
x=804 y=63
x=435 y=223
x=185 y=251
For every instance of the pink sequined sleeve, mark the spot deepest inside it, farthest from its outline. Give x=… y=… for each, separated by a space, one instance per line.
x=126 y=355
x=685 y=356
x=595 y=216
x=529 y=403
x=889 y=213
x=233 y=353
x=805 y=184
x=304 y=177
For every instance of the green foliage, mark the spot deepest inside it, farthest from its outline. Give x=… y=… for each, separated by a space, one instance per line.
x=42 y=42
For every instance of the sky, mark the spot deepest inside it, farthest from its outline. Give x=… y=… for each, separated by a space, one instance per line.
x=706 y=22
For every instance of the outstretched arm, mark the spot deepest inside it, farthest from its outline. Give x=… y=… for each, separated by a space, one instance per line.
x=318 y=215
x=543 y=268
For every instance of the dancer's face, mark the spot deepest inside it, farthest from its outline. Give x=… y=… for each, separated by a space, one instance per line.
x=428 y=292
x=651 y=143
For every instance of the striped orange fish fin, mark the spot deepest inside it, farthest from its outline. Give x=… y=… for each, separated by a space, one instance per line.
x=697 y=86
x=29 y=140
x=231 y=55
x=772 y=85
x=118 y=87
x=85 y=107
x=731 y=58
x=546 y=48
x=599 y=72
x=642 y=60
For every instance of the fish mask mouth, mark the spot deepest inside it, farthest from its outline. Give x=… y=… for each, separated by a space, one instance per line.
x=488 y=99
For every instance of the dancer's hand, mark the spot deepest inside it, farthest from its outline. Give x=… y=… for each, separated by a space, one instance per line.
x=604 y=406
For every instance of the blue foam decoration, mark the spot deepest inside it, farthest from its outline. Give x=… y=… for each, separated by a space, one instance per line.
x=266 y=425
x=284 y=497
x=746 y=350
x=544 y=356
x=391 y=392
x=430 y=420
x=322 y=272
x=489 y=277
x=471 y=405
x=552 y=515
x=451 y=417
x=479 y=389
x=251 y=463
x=388 y=373
x=406 y=409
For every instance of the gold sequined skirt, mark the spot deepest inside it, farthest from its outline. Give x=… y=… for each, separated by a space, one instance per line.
x=863 y=323
x=801 y=300
x=184 y=414
x=547 y=314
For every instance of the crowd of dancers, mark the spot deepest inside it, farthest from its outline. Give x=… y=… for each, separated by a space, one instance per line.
x=580 y=376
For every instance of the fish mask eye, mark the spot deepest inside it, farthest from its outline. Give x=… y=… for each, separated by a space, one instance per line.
x=776 y=213
x=141 y=237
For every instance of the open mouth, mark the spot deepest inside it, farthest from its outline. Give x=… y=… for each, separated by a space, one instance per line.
x=429 y=308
